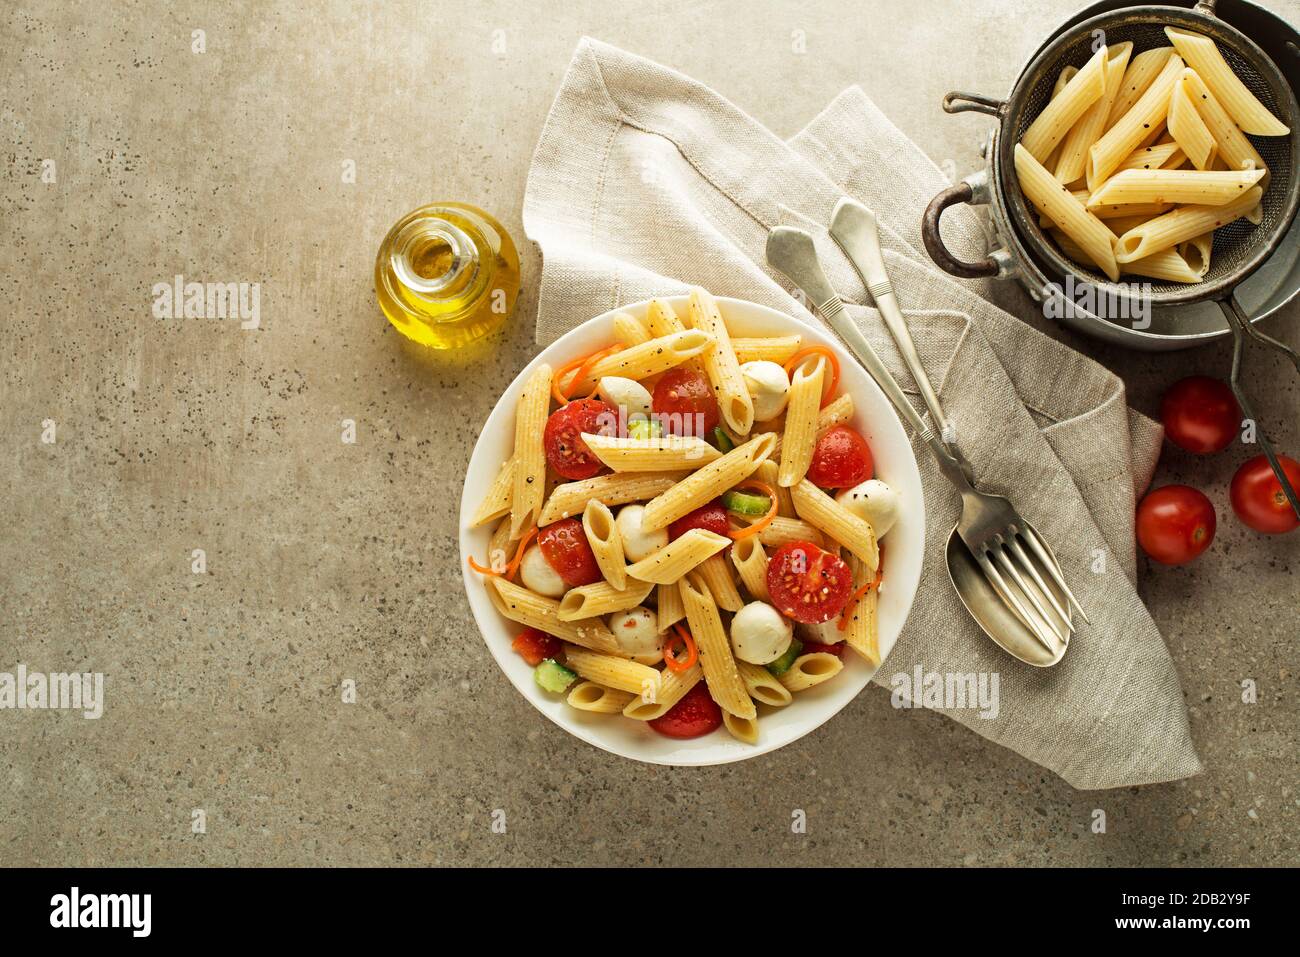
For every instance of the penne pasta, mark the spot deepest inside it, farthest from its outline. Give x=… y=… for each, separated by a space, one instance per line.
x=1168 y=265
x=861 y=631
x=1202 y=55
x=1204 y=188
x=668 y=610
x=529 y=477
x=1197 y=252
x=673 y=686
x=762 y=685
x=1188 y=129
x=1066 y=212
x=1142 y=70
x=678 y=557
x=571 y=498
x=838 y=412
x=1235 y=150
x=801 y=416
x=742 y=729
x=782 y=531
x=707 y=483
x=521 y=605
x=606 y=542
x=501 y=546
x=1072 y=159
x=617 y=673
x=720 y=363
x=725 y=684
x=1134 y=127
x=589 y=696
x=1062 y=79
x=840 y=524
x=1084 y=89
x=1185 y=222
x=662 y=319
x=630 y=331
x=644 y=359
x=667 y=453
x=715 y=573
x=778 y=349
x=601 y=598
x=750 y=559
x=810 y=670
x=499 y=495
x=1159 y=156
x=767 y=474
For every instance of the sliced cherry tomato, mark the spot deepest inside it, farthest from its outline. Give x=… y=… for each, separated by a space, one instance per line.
x=711 y=516
x=565 y=547
x=536 y=646
x=1200 y=414
x=684 y=403
x=808 y=583
x=696 y=714
x=1175 y=523
x=1258 y=499
x=565 y=450
x=840 y=459
x=814 y=647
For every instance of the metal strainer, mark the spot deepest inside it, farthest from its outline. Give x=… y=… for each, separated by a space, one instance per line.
x=1239 y=248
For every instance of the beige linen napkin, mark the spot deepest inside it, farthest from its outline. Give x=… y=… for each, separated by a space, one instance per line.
x=645 y=182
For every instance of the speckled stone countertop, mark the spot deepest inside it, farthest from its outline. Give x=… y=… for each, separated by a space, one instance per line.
x=130 y=158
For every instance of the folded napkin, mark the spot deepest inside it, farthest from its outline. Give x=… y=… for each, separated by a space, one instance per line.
x=645 y=182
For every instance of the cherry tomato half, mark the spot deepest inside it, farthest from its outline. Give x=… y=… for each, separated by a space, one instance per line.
x=840 y=459
x=1258 y=499
x=565 y=450
x=711 y=516
x=696 y=714
x=536 y=646
x=1200 y=414
x=684 y=403
x=1175 y=523
x=565 y=547
x=808 y=583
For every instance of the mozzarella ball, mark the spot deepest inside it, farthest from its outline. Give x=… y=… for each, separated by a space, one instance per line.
x=873 y=500
x=628 y=393
x=637 y=633
x=636 y=543
x=539 y=576
x=759 y=634
x=768 y=386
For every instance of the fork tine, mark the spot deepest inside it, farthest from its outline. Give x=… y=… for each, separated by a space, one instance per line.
x=1053 y=569
x=1012 y=601
x=1019 y=552
x=1009 y=567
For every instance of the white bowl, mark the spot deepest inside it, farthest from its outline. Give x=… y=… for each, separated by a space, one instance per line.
x=875 y=419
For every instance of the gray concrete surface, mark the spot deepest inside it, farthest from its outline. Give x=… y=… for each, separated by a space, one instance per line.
x=328 y=561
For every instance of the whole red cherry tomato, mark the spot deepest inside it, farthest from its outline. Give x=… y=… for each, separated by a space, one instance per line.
x=1200 y=414
x=1175 y=524
x=1258 y=499
x=565 y=547
x=565 y=450
x=696 y=714
x=840 y=459
x=807 y=583
x=684 y=403
x=711 y=516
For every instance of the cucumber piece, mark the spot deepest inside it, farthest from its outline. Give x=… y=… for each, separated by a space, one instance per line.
x=640 y=428
x=553 y=676
x=722 y=440
x=745 y=503
x=782 y=664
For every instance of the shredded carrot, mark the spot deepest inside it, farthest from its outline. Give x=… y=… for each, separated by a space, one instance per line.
x=513 y=565
x=692 y=652
x=829 y=389
x=583 y=365
x=847 y=614
x=766 y=520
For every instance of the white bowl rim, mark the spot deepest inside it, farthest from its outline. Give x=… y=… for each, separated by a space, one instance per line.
x=904 y=578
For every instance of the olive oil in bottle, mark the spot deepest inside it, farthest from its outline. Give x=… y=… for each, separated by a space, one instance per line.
x=446 y=275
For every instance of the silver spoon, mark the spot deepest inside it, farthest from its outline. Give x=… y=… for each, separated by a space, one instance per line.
x=1027 y=617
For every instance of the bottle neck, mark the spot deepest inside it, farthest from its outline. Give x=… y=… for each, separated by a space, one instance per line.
x=434 y=258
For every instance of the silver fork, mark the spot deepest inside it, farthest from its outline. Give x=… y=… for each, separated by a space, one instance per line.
x=1000 y=540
